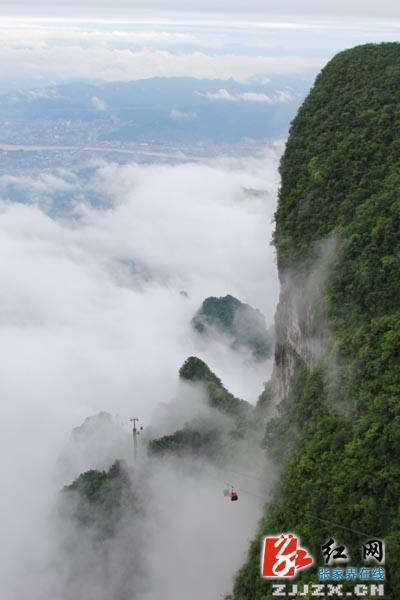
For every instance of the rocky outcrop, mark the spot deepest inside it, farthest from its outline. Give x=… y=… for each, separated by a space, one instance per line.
x=301 y=333
x=301 y=319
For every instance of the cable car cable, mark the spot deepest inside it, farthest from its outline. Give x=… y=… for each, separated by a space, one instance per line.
x=312 y=516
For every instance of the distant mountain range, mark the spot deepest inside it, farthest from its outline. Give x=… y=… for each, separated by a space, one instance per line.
x=160 y=110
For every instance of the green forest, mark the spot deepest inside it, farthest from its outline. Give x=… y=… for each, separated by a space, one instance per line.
x=245 y=324
x=337 y=433
x=99 y=498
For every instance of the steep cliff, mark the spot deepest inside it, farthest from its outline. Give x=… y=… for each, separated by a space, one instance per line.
x=335 y=390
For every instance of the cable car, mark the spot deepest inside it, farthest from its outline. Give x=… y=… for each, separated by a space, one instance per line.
x=232 y=495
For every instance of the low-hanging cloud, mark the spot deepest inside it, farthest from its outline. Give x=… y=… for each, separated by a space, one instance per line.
x=99 y=104
x=280 y=97
x=91 y=314
x=181 y=115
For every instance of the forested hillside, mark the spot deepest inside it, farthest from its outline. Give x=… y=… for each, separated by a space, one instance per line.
x=336 y=432
x=241 y=322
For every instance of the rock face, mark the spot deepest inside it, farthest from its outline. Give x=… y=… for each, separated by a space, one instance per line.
x=295 y=339
x=301 y=320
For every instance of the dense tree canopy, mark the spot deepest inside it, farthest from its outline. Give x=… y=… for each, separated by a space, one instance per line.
x=99 y=498
x=195 y=370
x=337 y=434
x=244 y=324
x=206 y=436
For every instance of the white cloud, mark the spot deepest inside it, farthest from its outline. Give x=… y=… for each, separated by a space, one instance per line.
x=169 y=228
x=221 y=94
x=58 y=54
x=59 y=50
x=180 y=115
x=255 y=97
x=19 y=33
x=282 y=96
x=279 y=97
x=43 y=93
x=43 y=184
x=91 y=319
x=99 y=104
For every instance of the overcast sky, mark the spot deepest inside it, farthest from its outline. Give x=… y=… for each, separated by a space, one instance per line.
x=385 y=9
x=52 y=48
x=48 y=41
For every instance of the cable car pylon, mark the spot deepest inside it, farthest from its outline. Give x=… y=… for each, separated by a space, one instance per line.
x=135 y=432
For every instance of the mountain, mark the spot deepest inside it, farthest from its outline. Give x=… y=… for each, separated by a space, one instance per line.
x=100 y=548
x=244 y=324
x=100 y=497
x=206 y=434
x=97 y=442
x=158 y=110
x=335 y=389
x=195 y=371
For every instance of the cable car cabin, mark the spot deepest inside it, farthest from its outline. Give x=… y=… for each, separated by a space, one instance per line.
x=234 y=496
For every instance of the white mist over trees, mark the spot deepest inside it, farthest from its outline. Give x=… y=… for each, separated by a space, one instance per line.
x=93 y=319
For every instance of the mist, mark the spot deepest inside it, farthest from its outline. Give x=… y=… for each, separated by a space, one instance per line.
x=93 y=319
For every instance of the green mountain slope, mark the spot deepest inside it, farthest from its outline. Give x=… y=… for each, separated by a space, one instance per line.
x=99 y=498
x=194 y=370
x=202 y=436
x=244 y=324
x=337 y=427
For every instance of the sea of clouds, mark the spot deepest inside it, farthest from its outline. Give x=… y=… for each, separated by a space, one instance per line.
x=92 y=319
